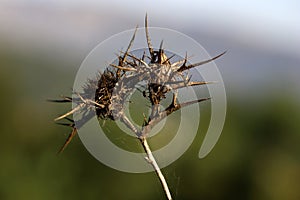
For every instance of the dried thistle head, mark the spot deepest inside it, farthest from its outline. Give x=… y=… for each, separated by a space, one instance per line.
x=109 y=92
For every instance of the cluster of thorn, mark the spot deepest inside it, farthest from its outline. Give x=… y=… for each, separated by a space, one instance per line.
x=111 y=89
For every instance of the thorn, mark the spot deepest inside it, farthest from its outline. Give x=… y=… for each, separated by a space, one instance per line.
x=148 y=37
x=69 y=113
x=68 y=140
x=161 y=56
x=168 y=59
x=160 y=46
x=183 y=67
x=66 y=124
x=123 y=68
x=129 y=46
x=70 y=120
x=144 y=54
x=63 y=100
x=141 y=61
x=58 y=101
x=198 y=83
x=185 y=59
x=193 y=102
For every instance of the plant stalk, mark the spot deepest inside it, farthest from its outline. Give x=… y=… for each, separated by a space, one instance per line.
x=150 y=158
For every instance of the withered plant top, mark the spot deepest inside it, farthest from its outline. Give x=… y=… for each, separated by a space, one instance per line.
x=108 y=93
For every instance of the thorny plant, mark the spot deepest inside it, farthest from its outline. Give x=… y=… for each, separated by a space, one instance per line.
x=108 y=93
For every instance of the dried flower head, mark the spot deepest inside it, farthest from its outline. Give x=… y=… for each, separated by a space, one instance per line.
x=111 y=88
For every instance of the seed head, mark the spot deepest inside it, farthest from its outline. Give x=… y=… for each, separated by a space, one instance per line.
x=108 y=93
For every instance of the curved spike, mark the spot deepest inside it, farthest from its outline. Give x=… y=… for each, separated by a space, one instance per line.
x=193 y=102
x=183 y=84
x=65 y=124
x=68 y=140
x=123 y=68
x=122 y=59
x=161 y=53
x=184 y=67
x=148 y=37
x=185 y=58
x=59 y=101
x=70 y=112
x=143 y=56
x=64 y=99
x=161 y=44
x=141 y=61
x=168 y=59
x=183 y=61
x=128 y=48
x=70 y=120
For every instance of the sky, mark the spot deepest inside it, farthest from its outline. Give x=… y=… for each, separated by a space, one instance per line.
x=272 y=24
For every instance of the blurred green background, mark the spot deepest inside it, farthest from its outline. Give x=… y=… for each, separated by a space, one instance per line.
x=42 y=45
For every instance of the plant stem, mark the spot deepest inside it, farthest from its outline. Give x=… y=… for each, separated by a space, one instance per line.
x=152 y=161
x=150 y=158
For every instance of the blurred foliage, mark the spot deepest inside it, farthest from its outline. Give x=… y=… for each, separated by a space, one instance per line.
x=257 y=156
